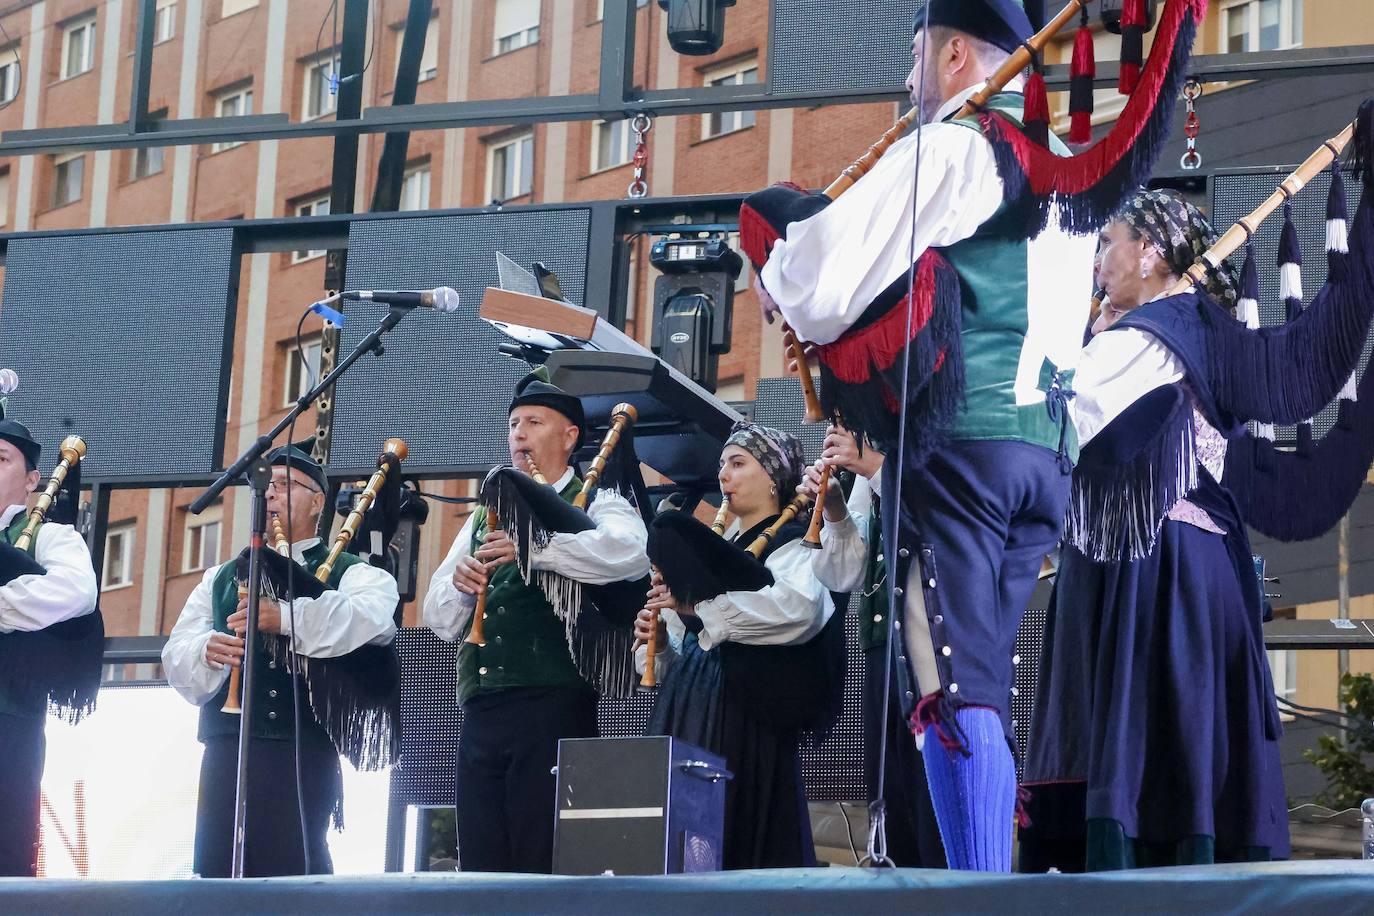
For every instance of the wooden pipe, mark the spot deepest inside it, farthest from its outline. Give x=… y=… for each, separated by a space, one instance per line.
x=232 y=703
x=813 y=532
x=622 y=416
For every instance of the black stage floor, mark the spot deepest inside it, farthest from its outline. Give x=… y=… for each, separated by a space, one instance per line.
x=1327 y=888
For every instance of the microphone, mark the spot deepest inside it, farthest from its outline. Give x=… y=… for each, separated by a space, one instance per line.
x=441 y=299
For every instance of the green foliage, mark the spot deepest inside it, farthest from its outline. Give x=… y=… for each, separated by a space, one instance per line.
x=1349 y=773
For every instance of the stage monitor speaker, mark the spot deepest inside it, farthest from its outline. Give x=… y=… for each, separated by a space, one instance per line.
x=638 y=806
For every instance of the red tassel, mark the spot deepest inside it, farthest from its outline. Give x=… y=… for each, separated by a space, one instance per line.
x=1082 y=71
x=1037 y=113
x=1132 y=44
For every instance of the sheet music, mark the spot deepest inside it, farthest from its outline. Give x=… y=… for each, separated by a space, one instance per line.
x=514 y=278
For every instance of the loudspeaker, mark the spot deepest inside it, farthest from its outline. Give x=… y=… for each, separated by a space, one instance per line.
x=638 y=806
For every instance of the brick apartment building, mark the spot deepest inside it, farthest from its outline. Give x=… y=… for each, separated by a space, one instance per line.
x=66 y=62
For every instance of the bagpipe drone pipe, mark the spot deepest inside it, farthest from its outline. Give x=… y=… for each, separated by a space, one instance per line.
x=1239 y=373
x=598 y=619
x=790 y=687
x=861 y=371
x=58 y=666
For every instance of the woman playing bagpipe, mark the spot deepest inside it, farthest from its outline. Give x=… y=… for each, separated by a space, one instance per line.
x=1155 y=734
x=51 y=634
x=533 y=586
x=325 y=679
x=751 y=658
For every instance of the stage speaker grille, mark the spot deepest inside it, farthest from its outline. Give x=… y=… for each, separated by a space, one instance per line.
x=442 y=385
x=122 y=338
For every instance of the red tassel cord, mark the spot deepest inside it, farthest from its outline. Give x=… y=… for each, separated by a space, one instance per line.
x=1082 y=72
x=1132 y=44
x=1037 y=111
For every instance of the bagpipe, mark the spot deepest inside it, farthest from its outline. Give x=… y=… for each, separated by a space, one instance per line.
x=1241 y=373
x=791 y=687
x=862 y=371
x=598 y=619
x=355 y=697
x=59 y=665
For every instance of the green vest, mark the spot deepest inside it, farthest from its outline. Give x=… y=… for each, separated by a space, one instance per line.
x=273 y=713
x=994 y=286
x=9 y=704
x=527 y=645
x=873 y=600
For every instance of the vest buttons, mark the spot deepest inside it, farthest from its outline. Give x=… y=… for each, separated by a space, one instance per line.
x=498 y=640
x=946 y=651
x=953 y=688
x=272 y=716
x=501 y=610
x=272 y=693
x=880 y=558
x=877 y=618
x=272 y=665
x=482 y=670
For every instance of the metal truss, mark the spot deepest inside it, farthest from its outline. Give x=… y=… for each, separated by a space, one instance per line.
x=616 y=97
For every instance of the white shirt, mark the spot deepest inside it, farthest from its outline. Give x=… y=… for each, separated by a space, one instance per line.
x=790 y=611
x=613 y=551
x=68 y=590
x=841 y=564
x=359 y=613
x=828 y=269
x=1115 y=370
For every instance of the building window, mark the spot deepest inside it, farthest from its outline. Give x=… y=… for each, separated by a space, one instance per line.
x=230 y=7
x=232 y=103
x=165 y=23
x=302 y=374
x=78 y=46
x=517 y=25
x=321 y=91
x=1262 y=25
x=510 y=167
x=610 y=144
x=68 y=176
x=415 y=188
x=1283 y=666
x=601 y=7
x=314 y=206
x=147 y=160
x=724 y=122
x=9 y=73
x=201 y=545
x=4 y=196
x=119 y=557
x=429 y=57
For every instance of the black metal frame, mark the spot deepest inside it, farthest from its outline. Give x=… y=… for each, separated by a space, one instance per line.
x=616 y=96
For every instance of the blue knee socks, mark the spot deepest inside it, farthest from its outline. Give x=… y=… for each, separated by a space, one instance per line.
x=974 y=795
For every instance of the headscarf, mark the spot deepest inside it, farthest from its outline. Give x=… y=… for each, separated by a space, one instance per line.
x=1180 y=233
x=779 y=452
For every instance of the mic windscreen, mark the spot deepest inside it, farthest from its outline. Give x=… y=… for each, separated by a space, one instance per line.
x=9 y=381
x=446 y=299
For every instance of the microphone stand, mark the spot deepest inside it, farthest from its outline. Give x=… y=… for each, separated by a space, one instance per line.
x=252 y=466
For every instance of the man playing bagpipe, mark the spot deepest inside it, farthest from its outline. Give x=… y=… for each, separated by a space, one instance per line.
x=996 y=324
x=343 y=700
x=51 y=639
x=851 y=560
x=751 y=657
x=535 y=655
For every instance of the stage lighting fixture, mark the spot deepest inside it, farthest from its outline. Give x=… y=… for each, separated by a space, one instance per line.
x=696 y=26
x=694 y=302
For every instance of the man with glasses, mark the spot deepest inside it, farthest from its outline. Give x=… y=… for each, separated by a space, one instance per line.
x=343 y=616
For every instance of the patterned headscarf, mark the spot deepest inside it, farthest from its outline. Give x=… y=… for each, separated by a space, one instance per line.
x=1180 y=233
x=779 y=452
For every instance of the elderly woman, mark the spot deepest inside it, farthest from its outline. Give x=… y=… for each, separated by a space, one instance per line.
x=724 y=676
x=1154 y=739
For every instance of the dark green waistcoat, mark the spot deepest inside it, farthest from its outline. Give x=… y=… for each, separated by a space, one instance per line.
x=527 y=645
x=994 y=285
x=9 y=704
x=273 y=714
x=873 y=599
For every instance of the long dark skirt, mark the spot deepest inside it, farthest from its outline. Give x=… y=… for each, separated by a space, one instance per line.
x=1154 y=738
x=766 y=820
